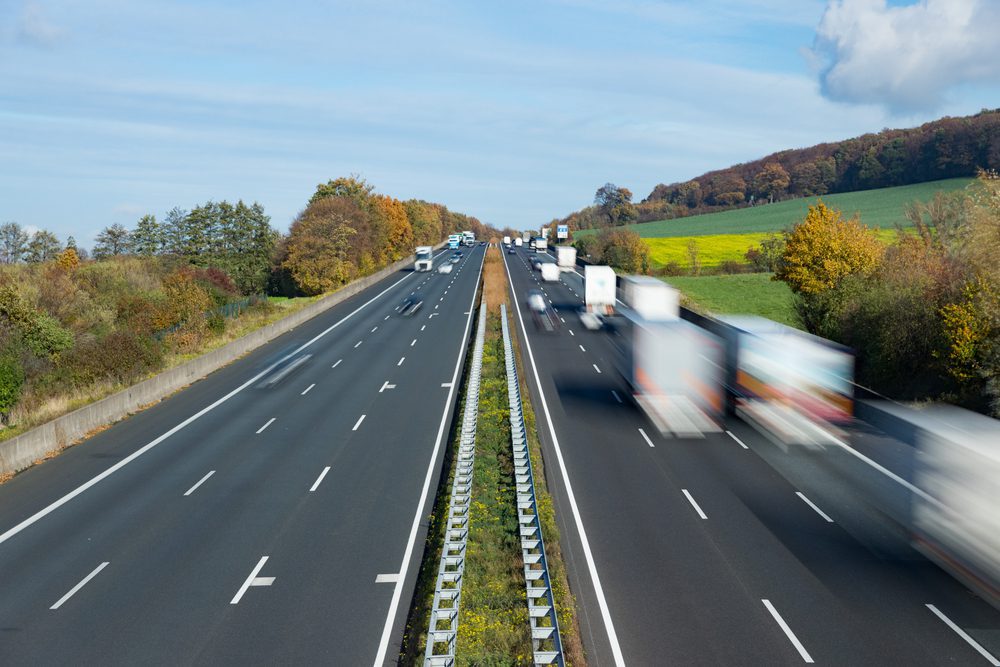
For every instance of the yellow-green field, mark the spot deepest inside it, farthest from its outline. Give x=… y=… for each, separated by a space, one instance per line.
x=715 y=248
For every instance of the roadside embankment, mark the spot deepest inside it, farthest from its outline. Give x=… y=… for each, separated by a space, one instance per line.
x=46 y=440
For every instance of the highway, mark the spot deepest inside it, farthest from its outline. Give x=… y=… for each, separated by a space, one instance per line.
x=272 y=513
x=724 y=550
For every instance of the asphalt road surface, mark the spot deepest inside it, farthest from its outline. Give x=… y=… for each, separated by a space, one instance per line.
x=725 y=550
x=272 y=513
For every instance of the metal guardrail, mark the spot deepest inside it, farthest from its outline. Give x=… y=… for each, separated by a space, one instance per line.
x=545 y=641
x=443 y=628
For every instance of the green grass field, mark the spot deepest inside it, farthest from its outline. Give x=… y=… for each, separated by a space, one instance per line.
x=747 y=293
x=878 y=208
x=716 y=248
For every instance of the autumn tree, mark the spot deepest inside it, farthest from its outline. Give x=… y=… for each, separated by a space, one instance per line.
x=319 y=244
x=425 y=221
x=68 y=259
x=771 y=182
x=394 y=226
x=624 y=250
x=824 y=248
x=615 y=203
x=352 y=187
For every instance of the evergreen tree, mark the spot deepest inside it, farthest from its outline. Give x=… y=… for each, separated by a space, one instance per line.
x=147 y=238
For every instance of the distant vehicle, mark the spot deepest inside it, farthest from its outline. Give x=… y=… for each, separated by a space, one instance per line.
x=454 y=240
x=550 y=272
x=525 y=236
x=536 y=264
x=518 y=242
x=444 y=268
x=469 y=238
x=531 y=244
x=424 y=258
x=541 y=245
x=544 y=317
x=511 y=250
x=411 y=305
x=455 y=259
x=566 y=257
x=506 y=240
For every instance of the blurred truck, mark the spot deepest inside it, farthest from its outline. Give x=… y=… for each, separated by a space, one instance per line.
x=673 y=367
x=550 y=272
x=518 y=242
x=566 y=257
x=541 y=245
x=424 y=258
x=793 y=387
x=454 y=240
x=506 y=240
x=651 y=299
x=599 y=291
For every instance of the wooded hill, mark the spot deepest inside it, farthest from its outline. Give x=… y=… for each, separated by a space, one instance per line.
x=944 y=148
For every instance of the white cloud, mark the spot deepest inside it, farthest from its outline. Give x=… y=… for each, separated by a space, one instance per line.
x=35 y=27
x=907 y=57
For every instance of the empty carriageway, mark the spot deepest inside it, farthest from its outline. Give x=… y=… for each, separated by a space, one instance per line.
x=245 y=520
x=700 y=551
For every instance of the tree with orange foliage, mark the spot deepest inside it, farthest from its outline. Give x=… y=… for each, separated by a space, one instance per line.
x=825 y=248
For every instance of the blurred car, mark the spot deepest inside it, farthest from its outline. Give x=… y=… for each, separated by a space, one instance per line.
x=444 y=268
x=411 y=305
x=536 y=264
x=455 y=259
x=541 y=312
x=510 y=250
x=592 y=321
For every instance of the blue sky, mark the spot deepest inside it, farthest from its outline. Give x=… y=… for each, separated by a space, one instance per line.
x=515 y=112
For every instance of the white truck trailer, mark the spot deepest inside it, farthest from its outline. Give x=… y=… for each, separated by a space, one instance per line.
x=541 y=245
x=518 y=242
x=424 y=258
x=550 y=272
x=566 y=257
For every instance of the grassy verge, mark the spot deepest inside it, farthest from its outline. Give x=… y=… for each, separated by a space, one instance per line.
x=745 y=293
x=60 y=404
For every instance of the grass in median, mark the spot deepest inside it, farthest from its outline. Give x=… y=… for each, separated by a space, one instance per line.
x=746 y=293
x=493 y=626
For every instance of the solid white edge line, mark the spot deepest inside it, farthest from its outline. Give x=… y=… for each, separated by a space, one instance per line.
x=964 y=635
x=646 y=438
x=419 y=515
x=139 y=452
x=691 y=500
x=83 y=582
x=246 y=584
x=609 y=626
x=319 y=480
x=306 y=391
x=813 y=505
x=269 y=422
x=358 y=423
x=788 y=631
x=738 y=441
x=199 y=483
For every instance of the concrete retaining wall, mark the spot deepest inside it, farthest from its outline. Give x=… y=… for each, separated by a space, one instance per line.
x=21 y=451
